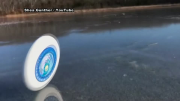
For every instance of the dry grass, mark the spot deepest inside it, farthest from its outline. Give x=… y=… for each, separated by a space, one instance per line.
x=17 y=6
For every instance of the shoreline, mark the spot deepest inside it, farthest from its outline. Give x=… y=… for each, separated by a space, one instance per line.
x=128 y=8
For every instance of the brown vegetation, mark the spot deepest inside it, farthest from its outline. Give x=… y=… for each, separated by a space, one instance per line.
x=17 y=6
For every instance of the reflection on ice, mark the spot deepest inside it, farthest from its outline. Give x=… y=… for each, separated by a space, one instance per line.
x=49 y=93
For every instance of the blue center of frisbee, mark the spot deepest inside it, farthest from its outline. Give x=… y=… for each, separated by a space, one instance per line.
x=45 y=64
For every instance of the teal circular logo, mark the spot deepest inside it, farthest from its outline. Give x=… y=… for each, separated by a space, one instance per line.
x=45 y=64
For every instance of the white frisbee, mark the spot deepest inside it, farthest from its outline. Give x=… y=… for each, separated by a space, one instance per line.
x=41 y=62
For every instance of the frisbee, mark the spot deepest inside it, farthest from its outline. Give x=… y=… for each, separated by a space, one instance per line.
x=41 y=62
x=49 y=91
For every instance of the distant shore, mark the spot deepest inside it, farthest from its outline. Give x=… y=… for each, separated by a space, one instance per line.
x=129 y=8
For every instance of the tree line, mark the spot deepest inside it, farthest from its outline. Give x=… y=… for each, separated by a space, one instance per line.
x=17 y=6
